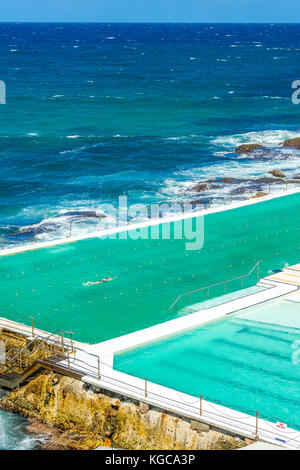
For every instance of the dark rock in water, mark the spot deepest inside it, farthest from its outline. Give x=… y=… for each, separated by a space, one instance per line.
x=266 y=180
x=199 y=187
x=240 y=190
x=204 y=202
x=292 y=143
x=247 y=148
x=277 y=174
x=229 y=180
x=81 y=214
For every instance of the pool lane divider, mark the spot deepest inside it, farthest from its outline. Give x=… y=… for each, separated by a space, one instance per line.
x=130 y=227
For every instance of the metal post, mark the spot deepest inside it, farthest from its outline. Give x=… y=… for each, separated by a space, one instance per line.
x=286 y=186
x=35 y=230
x=62 y=342
x=43 y=348
x=70 y=229
x=98 y=367
x=182 y=207
x=256 y=427
x=32 y=326
x=71 y=337
x=200 y=405
x=146 y=381
x=68 y=359
x=269 y=188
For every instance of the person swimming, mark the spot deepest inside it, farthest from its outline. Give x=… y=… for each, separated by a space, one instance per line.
x=105 y=279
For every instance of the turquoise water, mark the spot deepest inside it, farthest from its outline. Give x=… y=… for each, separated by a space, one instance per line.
x=239 y=362
x=150 y=274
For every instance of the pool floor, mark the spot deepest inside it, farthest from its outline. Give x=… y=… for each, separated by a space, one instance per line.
x=243 y=362
x=48 y=283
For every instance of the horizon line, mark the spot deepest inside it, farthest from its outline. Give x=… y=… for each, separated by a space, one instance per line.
x=148 y=22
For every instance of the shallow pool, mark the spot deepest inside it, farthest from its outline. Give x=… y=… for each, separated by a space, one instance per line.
x=243 y=361
x=48 y=284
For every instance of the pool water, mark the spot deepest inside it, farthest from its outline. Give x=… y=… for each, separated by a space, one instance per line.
x=48 y=283
x=243 y=362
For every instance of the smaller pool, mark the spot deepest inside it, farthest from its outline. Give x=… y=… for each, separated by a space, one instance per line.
x=243 y=361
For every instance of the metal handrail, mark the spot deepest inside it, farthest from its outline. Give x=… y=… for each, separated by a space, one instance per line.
x=218 y=284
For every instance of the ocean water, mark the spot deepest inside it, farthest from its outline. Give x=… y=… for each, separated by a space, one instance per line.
x=95 y=111
x=13 y=434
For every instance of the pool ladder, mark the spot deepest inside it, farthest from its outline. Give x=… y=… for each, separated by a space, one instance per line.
x=208 y=288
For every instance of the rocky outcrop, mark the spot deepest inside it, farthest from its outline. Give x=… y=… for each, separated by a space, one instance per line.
x=292 y=143
x=199 y=187
x=277 y=174
x=259 y=194
x=247 y=148
x=88 y=418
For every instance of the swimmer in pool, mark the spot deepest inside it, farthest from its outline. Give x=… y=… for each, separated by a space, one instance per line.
x=106 y=279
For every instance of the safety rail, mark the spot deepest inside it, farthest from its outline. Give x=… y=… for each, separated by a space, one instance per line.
x=33 y=234
x=252 y=424
x=59 y=345
x=206 y=202
x=225 y=283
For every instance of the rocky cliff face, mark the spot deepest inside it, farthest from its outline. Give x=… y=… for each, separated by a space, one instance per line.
x=89 y=418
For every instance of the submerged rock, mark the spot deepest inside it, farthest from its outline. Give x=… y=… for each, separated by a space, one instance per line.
x=292 y=143
x=247 y=148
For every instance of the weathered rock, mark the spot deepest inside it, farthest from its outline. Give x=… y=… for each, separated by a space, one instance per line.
x=89 y=418
x=232 y=180
x=144 y=407
x=266 y=180
x=277 y=174
x=249 y=441
x=247 y=148
x=199 y=427
x=292 y=143
x=199 y=187
x=259 y=194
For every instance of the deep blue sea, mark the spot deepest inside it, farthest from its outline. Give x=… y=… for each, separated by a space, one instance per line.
x=95 y=111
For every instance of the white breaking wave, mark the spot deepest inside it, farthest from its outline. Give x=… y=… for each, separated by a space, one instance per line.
x=270 y=137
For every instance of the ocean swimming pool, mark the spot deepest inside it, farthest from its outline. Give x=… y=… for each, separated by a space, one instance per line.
x=247 y=361
x=48 y=283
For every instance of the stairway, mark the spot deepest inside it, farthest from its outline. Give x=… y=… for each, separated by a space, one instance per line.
x=11 y=380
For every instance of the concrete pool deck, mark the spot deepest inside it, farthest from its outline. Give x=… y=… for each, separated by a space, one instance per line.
x=95 y=363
